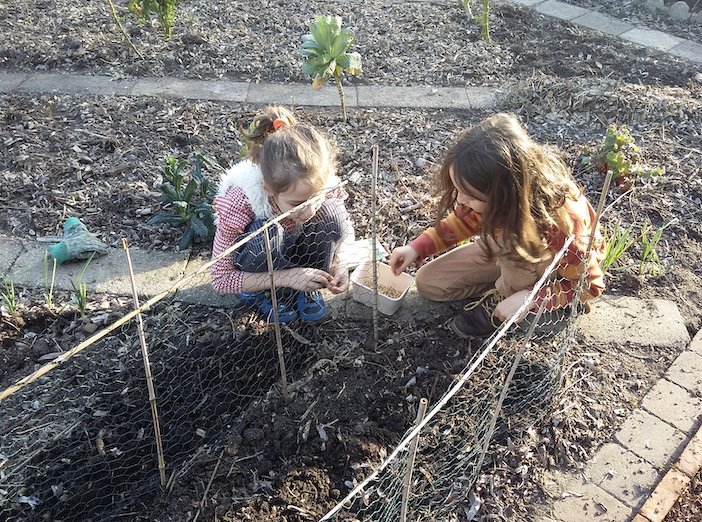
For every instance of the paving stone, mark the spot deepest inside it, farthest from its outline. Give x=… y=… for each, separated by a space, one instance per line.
x=528 y=2
x=696 y=344
x=560 y=10
x=589 y=502
x=665 y=495
x=651 y=38
x=69 y=83
x=688 y=50
x=192 y=89
x=301 y=95
x=10 y=81
x=603 y=23
x=153 y=274
x=650 y=438
x=10 y=250
x=653 y=322
x=673 y=404
x=690 y=461
x=623 y=474
x=686 y=371
x=199 y=290
x=640 y=518
x=425 y=96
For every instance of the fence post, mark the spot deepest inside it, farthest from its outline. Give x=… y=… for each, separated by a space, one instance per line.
x=147 y=370
x=412 y=453
x=276 y=325
x=374 y=242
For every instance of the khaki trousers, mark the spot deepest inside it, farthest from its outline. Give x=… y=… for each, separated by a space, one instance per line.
x=465 y=272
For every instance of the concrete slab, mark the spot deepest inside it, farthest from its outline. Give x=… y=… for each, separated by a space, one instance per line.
x=71 y=83
x=655 y=322
x=603 y=23
x=10 y=250
x=527 y=3
x=198 y=290
x=153 y=272
x=560 y=10
x=651 y=38
x=665 y=496
x=690 y=461
x=298 y=94
x=650 y=438
x=589 y=502
x=10 y=81
x=686 y=371
x=425 y=97
x=674 y=405
x=192 y=89
x=696 y=343
x=623 y=474
x=688 y=50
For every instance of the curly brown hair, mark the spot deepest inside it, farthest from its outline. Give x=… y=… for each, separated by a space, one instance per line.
x=288 y=151
x=526 y=184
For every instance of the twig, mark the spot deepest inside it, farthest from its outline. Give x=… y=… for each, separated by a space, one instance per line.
x=113 y=9
x=147 y=370
x=276 y=319
x=207 y=489
x=412 y=453
x=242 y=459
x=374 y=243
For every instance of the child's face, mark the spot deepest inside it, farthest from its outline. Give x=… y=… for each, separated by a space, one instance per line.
x=296 y=194
x=468 y=195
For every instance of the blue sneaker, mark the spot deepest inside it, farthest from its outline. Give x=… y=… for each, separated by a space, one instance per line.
x=263 y=303
x=311 y=306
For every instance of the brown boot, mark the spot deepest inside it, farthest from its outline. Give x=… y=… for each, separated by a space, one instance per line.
x=477 y=318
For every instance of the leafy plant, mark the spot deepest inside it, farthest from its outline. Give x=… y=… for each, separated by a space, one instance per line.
x=325 y=49
x=165 y=11
x=484 y=19
x=49 y=284
x=617 y=242
x=246 y=143
x=8 y=295
x=80 y=288
x=188 y=197
x=650 y=262
x=619 y=153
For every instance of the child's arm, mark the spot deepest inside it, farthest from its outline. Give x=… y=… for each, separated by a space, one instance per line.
x=234 y=213
x=339 y=270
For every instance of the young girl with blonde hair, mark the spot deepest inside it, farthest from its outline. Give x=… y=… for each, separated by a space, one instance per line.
x=288 y=163
x=521 y=200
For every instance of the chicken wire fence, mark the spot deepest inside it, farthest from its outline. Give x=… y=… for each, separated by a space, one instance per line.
x=95 y=434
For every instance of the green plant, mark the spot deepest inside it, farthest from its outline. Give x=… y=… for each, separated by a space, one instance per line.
x=650 y=262
x=49 y=284
x=188 y=197
x=165 y=11
x=619 y=153
x=617 y=242
x=484 y=19
x=80 y=288
x=325 y=52
x=8 y=295
x=246 y=143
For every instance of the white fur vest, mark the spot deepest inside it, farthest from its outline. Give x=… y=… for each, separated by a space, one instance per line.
x=248 y=177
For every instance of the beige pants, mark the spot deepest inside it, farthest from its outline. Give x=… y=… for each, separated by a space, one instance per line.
x=465 y=272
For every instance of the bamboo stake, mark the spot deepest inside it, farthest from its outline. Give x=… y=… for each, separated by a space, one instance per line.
x=412 y=449
x=207 y=489
x=147 y=369
x=374 y=242
x=276 y=325
x=37 y=374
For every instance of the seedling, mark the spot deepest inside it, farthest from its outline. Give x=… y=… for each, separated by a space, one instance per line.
x=188 y=198
x=325 y=52
x=650 y=262
x=617 y=243
x=621 y=155
x=80 y=288
x=9 y=296
x=49 y=284
x=484 y=19
x=165 y=11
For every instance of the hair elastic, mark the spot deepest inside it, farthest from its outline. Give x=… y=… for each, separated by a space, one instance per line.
x=278 y=123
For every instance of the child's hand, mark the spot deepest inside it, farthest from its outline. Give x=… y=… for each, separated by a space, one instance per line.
x=401 y=258
x=340 y=281
x=307 y=279
x=509 y=305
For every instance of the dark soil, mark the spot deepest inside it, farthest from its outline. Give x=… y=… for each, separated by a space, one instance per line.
x=216 y=370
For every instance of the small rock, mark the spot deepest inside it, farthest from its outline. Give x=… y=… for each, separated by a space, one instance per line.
x=679 y=11
x=655 y=5
x=252 y=434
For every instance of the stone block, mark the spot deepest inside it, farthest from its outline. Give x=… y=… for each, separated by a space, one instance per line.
x=665 y=495
x=560 y=10
x=688 y=50
x=301 y=95
x=651 y=38
x=192 y=89
x=197 y=288
x=589 y=502
x=10 y=81
x=528 y=3
x=623 y=474
x=69 y=83
x=10 y=249
x=650 y=438
x=655 y=322
x=679 y=10
x=690 y=461
x=696 y=344
x=603 y=23
x=674 y=405
x=686 y=371
x=425 y=97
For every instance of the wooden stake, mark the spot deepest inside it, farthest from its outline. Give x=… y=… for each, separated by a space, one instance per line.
x=276 y=324
x=412 y=453
x=147 y=370
x=374 y=242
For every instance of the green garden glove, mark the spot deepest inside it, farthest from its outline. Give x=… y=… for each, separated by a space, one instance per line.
x=77 y=243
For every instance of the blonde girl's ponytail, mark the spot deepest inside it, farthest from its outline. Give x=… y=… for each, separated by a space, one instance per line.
x=263 y=125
